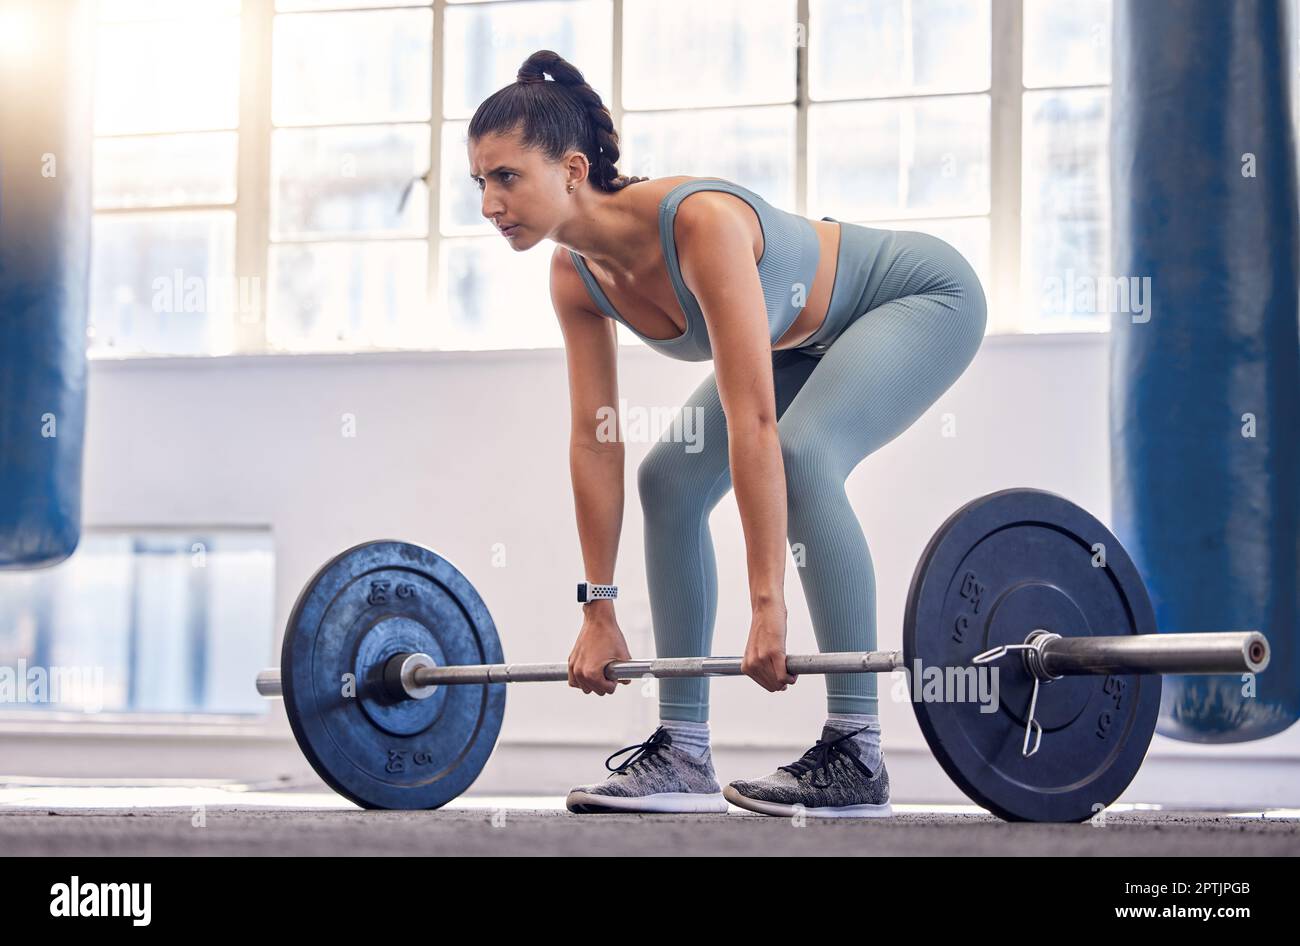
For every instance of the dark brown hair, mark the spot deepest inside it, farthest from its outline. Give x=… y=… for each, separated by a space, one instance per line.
x=555 y=117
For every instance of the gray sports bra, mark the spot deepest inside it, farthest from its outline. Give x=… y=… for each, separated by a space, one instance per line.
x=790 y=255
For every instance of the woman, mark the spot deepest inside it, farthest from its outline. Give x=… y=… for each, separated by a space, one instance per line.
x=864 y=329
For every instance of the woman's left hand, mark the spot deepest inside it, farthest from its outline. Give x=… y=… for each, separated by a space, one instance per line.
x=764 y=659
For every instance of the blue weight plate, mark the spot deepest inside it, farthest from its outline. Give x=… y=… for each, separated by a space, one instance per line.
x=375 y=600
x=1000 y=567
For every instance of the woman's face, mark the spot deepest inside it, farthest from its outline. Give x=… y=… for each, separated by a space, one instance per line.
x=523 y=193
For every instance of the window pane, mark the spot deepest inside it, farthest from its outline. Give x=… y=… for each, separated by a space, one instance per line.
x=161 y=622
x=163 y=283
x=349 y=296
x=335 y=68
x=123 y=10
x=485 y=46
x=753 y=147
x=969 y=236
x=891 y=159
x=496 y=297
x=173 y=75
x=1067 y=43
x=459 y=201
x=864 y=48
x=348 y=181
x=685 y=54
x=168 y=171
x=289 y=5
x=1065 y=212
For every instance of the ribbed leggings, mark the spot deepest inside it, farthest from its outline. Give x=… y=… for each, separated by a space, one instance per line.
x=907 y=315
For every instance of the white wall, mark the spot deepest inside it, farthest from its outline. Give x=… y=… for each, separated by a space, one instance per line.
x=463 y=450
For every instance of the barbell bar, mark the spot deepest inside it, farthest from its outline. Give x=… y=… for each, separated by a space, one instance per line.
x=393 y=677
x=1215 y=652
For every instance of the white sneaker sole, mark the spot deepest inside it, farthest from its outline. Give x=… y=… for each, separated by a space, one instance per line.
x=661 y=803
x=780 y=810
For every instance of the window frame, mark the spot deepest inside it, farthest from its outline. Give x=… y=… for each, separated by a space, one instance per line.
x=253 y=172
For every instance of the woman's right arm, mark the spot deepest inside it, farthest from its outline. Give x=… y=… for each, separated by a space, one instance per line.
x=596 y=465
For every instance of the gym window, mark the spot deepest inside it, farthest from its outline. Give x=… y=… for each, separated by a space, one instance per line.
x=159 y=621
x=251 y=156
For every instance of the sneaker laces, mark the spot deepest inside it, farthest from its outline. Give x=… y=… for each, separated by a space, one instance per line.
x=818 y=759
x=642 y=751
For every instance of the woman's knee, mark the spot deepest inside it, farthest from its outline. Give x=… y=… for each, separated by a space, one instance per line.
x=654 y=481
x=810 y=463
x=668 y=476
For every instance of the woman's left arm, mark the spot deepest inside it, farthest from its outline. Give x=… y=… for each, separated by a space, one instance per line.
x=716 y=254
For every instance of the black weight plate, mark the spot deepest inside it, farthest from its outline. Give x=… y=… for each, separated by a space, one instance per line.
x=375 y=600
x=1001 y=566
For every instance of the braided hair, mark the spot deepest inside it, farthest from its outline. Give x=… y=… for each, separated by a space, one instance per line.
x=555 y=117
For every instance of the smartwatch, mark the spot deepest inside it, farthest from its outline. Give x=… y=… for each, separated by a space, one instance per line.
x=589 y=591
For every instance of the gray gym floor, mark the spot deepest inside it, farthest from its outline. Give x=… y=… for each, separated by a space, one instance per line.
x=168 y=820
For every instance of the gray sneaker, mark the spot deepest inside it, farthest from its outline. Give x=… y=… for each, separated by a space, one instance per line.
x=657 y=777
x=829 y=781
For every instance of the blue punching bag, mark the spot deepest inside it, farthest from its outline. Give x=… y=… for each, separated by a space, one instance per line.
x=1205 y=388
x=45 y=153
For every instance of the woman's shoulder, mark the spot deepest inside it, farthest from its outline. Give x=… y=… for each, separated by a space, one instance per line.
x=657 y=190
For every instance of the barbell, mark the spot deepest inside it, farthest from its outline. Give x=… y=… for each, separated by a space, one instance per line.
x=1029 y=646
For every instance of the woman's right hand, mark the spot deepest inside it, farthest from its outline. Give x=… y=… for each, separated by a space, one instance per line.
x=599 y=643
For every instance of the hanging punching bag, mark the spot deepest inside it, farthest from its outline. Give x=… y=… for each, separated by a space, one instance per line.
x=45 y=204
x=1205 y=387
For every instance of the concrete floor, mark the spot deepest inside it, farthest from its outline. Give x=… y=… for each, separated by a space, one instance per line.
x=231 y=820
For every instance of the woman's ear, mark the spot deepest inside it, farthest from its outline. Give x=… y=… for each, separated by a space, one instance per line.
x=576 y=170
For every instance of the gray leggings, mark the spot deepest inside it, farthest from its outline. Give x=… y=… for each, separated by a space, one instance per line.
x=906 y=317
